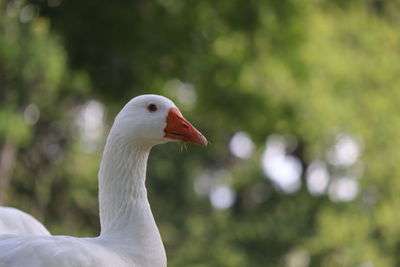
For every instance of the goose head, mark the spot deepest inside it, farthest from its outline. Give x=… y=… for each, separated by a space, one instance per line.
x=153 y=120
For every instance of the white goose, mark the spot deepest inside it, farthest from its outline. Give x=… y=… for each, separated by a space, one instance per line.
x=129 y=235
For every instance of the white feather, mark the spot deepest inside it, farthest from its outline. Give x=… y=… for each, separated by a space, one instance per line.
x=17 y=222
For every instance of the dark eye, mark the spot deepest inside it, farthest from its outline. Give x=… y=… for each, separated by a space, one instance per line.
x=152 y=107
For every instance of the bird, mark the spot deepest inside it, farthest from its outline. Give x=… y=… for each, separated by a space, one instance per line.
x=128 y=232
x=17 y=222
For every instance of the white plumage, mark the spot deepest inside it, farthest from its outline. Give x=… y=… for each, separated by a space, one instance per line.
x=17 y=222
x=129 y=235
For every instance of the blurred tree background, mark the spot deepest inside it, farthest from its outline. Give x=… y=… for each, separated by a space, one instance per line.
x=298 y=98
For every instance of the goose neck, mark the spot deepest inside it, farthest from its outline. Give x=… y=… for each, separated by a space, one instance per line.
x=122 y=191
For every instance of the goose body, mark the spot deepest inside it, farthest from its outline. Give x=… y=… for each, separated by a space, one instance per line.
x=129 y=235
x=17 y=222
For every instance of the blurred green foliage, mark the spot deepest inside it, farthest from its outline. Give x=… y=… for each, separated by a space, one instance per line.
x=310 y=71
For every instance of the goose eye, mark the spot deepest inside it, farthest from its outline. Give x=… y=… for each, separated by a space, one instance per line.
x=152 y=107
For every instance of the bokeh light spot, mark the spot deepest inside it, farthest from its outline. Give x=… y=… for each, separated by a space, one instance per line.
x=317 y=178
x=27 y=13
x=241 y=145
x=284 y=170
x=31 y=114
x=90 y=122
x=343 y=189
x=345 y=151
x=222 y=197
x=184 y=92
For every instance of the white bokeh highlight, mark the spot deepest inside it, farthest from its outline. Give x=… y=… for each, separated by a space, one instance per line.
x=184 y=92
x=241 y=145
x=31 y=114
x=27 y=13
x=343 y=189
x=345 y=152
x=204 y=183
x=283 y=170
x=216 y=185
x=317 y=176
x=222 y=197
x=90 y=122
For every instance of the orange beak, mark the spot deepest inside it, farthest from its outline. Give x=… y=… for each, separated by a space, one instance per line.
x=178 y=128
